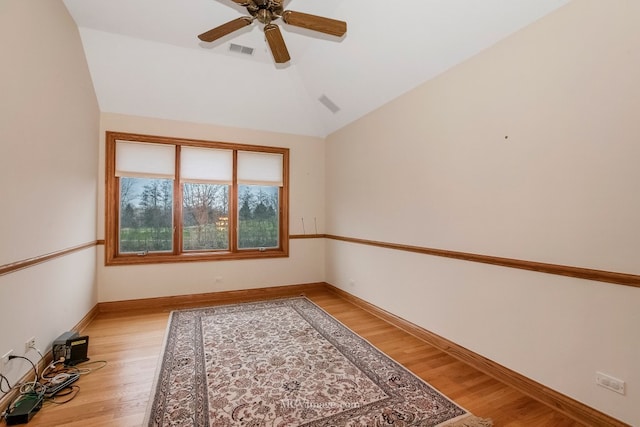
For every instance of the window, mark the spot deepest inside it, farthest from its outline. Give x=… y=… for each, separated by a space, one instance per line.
x=172 y=200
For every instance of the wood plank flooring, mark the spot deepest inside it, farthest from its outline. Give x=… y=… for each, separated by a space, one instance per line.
x=117 y=395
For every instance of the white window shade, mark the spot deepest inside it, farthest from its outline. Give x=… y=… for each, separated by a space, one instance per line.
x=206 y=165
x=259 y=168
x=135 y=159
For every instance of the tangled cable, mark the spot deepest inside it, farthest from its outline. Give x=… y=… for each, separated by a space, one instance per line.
x=56 y=381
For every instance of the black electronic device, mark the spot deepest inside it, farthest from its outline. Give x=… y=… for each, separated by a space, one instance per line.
x=24 y=409
x=71 y=348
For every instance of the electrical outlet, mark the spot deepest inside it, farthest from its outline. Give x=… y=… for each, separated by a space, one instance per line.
x=29 y=344
x=4 y=360
x=609 y=382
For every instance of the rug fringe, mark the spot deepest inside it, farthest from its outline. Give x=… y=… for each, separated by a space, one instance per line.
x=470 y=421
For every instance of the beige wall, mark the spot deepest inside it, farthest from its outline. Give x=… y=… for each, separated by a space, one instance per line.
x=433 y=168
x=49 y=122
x=306 y=261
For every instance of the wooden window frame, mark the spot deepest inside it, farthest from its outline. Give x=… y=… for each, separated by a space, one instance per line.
x=112 y=206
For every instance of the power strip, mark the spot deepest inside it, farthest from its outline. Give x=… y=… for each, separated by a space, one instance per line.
x=54 y=389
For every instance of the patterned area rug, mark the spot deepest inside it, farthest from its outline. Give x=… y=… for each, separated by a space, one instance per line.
x=285 y=363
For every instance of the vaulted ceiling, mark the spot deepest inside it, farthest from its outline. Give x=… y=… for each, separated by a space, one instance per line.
x=145 y=58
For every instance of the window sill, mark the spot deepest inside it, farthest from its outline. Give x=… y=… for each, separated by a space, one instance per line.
x=136 y=259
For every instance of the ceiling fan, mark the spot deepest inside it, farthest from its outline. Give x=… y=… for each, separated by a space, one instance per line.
x=267 y=11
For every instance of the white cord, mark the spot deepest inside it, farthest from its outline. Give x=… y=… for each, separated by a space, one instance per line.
x=60 y=378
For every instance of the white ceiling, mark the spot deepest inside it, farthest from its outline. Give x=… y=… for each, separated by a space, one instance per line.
x=145 y=59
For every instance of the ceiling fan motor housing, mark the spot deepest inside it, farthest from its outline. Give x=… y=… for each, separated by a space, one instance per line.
x=264 y=11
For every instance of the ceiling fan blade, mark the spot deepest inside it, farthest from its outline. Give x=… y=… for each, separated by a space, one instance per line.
x=225 y=29
x=315 y=23
x=276 y=43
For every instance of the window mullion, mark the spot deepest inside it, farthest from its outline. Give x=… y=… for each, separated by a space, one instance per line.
x=177 y=207
x=233 y=207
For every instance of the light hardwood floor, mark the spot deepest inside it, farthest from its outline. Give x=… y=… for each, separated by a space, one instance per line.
x=131 y=341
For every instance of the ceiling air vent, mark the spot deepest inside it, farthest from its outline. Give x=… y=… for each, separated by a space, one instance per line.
x=329 y=104
x=240 y=49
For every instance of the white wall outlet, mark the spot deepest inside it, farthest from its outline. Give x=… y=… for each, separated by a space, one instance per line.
x=607 y=381
x=29 y=344
x=4 y=360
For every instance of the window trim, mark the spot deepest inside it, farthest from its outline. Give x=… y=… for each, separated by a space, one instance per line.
x=112 y=206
